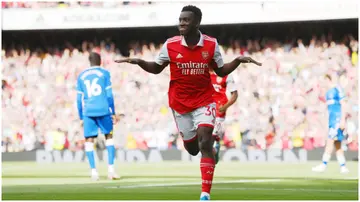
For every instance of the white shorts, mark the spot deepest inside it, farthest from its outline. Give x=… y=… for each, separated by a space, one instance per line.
x=188 y=123
x=219 y=129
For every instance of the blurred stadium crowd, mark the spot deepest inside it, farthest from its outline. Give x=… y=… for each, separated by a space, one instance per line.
x=280 y=105
x=70 y=4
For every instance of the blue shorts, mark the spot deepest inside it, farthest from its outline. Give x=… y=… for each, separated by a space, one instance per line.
x=92 y=125
x=336 y=134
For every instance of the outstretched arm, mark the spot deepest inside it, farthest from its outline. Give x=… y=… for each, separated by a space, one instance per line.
x=161 y=61
x=222 y=69
x=231 y=66
x=151 y=67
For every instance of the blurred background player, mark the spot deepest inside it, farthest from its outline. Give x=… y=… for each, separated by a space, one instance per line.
x=95 y=103
x=190 y=94
x=335 y=100
x=221 y=86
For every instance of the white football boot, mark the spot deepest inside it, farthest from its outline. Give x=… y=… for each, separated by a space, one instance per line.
x=94 y=175
x=320 y=168
x=204 y=196
x=344 y=169
x=113 y=176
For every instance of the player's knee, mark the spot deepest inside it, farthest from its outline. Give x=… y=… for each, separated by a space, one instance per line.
x=89 y=139
x=337 y=145
x=108 y=136
x=192 y=147
x=339 y=151
x=206 y=145
x=193 y=152
x=206 y=139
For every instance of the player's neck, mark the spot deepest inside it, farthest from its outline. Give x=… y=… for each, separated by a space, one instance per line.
x=192 y=38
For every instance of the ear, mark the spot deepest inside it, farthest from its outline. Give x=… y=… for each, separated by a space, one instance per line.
x=197 y=25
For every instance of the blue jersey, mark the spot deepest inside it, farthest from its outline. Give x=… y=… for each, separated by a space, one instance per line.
x=95 y=97
x=333 y=98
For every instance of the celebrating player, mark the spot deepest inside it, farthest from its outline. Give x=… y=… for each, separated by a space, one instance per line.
x=221 y=85
x=94 y=90
x=190 y=93
x=335 y=102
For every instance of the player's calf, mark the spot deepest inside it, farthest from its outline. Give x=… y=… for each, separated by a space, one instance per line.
x=110 y=147
x=207 y=162
x=340 y=157
x=89 y=150
x=328 y=151
x=329 y=147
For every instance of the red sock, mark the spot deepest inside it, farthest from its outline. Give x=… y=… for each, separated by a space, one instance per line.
x=207 y=166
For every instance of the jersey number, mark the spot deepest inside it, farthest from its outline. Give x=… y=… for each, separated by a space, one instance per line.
x=93 y=89
x=210 y=111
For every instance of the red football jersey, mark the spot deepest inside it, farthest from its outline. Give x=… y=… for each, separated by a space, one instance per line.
x=190 y=83
x=221 y=85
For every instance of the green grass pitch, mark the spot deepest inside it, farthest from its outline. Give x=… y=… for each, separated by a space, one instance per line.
x=178 y=181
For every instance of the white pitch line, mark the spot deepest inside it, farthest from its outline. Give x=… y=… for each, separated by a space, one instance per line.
x=68 y=181
x=287 y=189
x=191 y=183
x=229 y=188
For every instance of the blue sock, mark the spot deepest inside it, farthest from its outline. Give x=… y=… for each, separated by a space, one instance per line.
x=111 y=150
x=326 y=158
x=89 y=149
x=341 y=159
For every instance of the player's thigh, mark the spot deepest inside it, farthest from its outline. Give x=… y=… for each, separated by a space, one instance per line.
x=90 y=127
x=337 y=144
x=105 y=124
x=204 y=119
x=185 y=126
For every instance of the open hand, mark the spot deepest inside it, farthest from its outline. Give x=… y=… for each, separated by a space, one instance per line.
x=128 y=60
x=243 y=59
x=114 y=119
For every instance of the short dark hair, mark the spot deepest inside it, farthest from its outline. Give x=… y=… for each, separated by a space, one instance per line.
x=95 y=58
x=193 y=9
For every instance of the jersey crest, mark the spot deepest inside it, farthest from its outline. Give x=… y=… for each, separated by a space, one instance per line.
x=205 y=55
